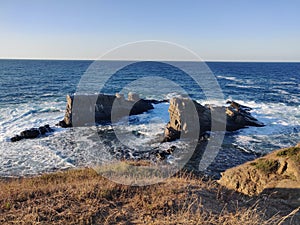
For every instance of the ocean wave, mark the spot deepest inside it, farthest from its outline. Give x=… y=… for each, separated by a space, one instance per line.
x=227 y=78
x=242 y=86
x=28 y=158
x=80 y=146
x=235 y=79
x=293 y=99
x=282 y=127
x=284 y=82
x=16 y=118
x=280 y=91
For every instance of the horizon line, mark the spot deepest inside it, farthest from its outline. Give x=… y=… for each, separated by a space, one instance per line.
x=209 y=60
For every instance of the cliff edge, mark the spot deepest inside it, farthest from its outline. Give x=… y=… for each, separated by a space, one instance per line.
x=277 y=173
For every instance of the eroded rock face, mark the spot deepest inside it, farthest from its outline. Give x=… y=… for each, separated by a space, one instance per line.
x=85 y=110
x=277 y=172
x=67 y=121
x=188 y=116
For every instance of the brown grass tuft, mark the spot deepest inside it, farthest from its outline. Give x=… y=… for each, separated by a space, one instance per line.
x=83 y=197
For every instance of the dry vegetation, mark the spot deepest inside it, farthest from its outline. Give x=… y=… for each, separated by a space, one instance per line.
x=83 y=197
x=265 y=165
x=292 y=152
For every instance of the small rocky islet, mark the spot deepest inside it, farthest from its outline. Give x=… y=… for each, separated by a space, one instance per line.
x=33 y=133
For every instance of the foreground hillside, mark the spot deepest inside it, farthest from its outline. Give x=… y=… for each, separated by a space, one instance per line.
x=278 y=171
x=83 y=197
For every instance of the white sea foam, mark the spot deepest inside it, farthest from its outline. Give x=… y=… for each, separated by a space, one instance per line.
x=281 y=91
x=235 y=79
x=293 y=99
x=217 y=102
x=282 y=127
x=28 y=158
x=17 y=118
x=243 y=86
x=284 y=82
x=68 y=147
x=227 y=78
x=173 y=95
x=32 y=156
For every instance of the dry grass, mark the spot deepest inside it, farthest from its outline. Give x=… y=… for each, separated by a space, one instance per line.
x=83 y=197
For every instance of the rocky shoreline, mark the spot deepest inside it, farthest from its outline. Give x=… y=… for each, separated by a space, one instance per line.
x=272 y=180
x=279 y=169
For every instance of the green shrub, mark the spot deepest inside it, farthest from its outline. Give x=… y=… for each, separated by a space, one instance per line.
x=289 y=152
x=266 y=166
x=293 y=153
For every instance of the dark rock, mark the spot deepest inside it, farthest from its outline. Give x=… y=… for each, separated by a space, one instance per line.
x=42 y=130
x=16 y=138
x=171 y=134
x=171 y=149
x=32 y=133
x=49 y=129
x=163 y=154
x=63 y=124
x=140 y=107
x=45 y=129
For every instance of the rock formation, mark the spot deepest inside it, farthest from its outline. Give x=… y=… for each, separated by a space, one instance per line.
x=85 y=110
x=189 y=116
x=278 y=172
x=32 y=133
x=82 y=110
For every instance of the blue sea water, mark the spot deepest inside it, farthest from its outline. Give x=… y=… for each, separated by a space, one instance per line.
x=32 y=93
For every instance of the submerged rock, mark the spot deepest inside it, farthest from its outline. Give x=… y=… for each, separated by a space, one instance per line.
x=32 y=133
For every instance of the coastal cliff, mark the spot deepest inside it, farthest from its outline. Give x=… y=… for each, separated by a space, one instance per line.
x=277 y=172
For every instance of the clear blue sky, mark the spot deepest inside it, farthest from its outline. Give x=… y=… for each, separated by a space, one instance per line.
x=254 y=30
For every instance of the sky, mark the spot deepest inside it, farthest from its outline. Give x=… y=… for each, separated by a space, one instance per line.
x=217 y=30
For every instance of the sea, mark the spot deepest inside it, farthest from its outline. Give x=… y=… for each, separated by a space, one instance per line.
x=33 y=93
